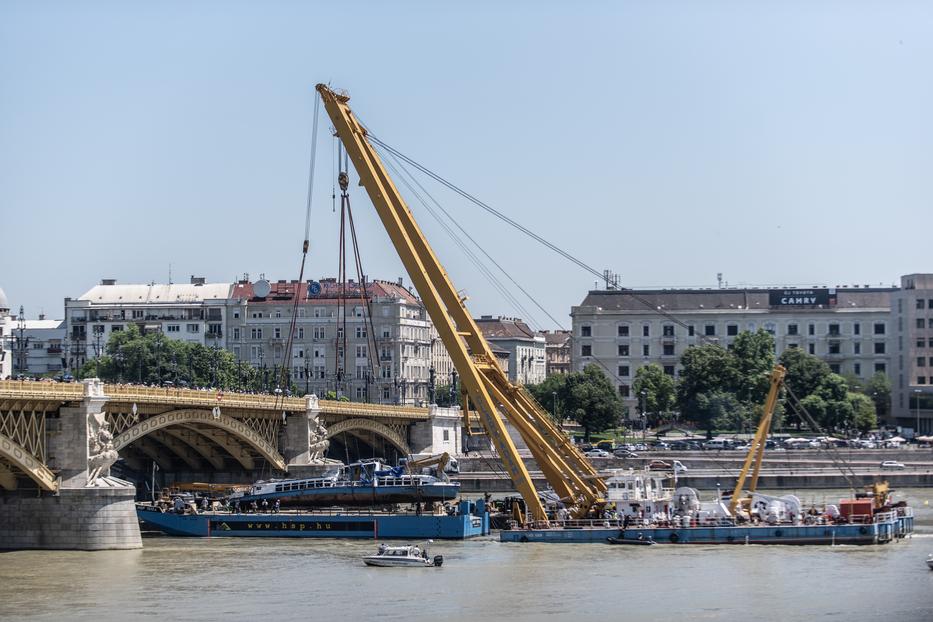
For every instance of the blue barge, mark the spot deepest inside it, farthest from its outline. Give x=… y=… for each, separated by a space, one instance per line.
x=471 y=520
x=884 y=528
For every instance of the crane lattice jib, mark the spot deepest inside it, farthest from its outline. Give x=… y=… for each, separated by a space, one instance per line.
x=757 y=449
x=565 y=469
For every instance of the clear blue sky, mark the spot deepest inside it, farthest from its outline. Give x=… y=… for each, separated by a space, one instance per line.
x=783 y=142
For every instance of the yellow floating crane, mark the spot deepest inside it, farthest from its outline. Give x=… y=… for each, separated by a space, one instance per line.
x=485 y=385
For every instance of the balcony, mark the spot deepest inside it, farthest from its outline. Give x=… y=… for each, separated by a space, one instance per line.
x=54 y=349
x=216 y=335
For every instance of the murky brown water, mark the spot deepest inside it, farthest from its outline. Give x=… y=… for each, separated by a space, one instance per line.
x=283 y=579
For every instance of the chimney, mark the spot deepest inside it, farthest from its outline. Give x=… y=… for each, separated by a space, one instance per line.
x=399 y=281
x=197 y=280
x=108 y=281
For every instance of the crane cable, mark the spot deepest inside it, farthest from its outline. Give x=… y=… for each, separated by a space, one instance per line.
x=286 y=360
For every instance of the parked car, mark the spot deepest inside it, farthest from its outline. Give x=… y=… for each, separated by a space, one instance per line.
x=597 y=453
x=585 y=447
x=606 y=445
x=659 y=465
x=624 y=453
x=660 y=446
x=892 y=464
x=679 y=467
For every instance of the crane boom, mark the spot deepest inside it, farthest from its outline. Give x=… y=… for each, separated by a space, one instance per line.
x=486 y=385
x=757 y=449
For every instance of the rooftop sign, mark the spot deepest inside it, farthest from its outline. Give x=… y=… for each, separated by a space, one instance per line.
x=801 y=297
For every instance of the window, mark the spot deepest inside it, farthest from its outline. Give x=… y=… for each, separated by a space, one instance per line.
x=172 y=328
x=193 y=328
x=921 y=361
x=257 y=315
x=98 y=329
x=690 y=331
x=811 y=329
x=834 y=347
x=446 y=435
x=360 y=352
x=586 y=331
x=359 y=393
x=931 y=342
x=709 y=330
x=236 y=315
x=623 y=331
x=623 y=370
x=920 y=322
x=920 y=303
x=137 y=314
x=646 y=330
x=623 y=390
x=361 y=332
x=587 y=350
x=668 y=349
x=255 y=333
x=340 y=332
x=921 y=380
x=792 y=329
x=856 y=329
x=278 y=313
x=834 y=330
x=732 y=330
x=361 y=372
x=857 y=348
x=213 y=329
x=277 y=333
x=791 y=346
x=623 y=349
x=879 y=328
x=668 y=330
x=921 y=342
x=385 y=393
x=646 y=350
x=669 y=370
x=301 y=332
x=834 y=367
x=116 y=328
x=879 y=347
x=811 y=348
x=236 y=333
x=880 y=367
x=319 y=332
x=858 y=369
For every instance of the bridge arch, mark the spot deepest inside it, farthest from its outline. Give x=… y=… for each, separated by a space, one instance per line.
x=392 y=435
x=21 y=458
x=239 y=429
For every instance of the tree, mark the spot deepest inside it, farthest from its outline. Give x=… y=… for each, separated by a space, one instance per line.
x=805 y=374
x=708 y=370
x=659 y=391
x=878 y=388
x=754 y=360
x=544 y=393
x=590 y=398
x=864 y=415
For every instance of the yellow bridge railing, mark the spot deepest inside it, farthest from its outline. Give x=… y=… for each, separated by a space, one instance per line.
x=66 y=392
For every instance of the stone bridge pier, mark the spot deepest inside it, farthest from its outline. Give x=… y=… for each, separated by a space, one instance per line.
x=84 y=507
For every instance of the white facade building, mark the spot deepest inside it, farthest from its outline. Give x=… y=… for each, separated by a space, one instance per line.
x=526 y=349
x=621 y=330
x=186 y=311
x=6 y=354
x=37 y=346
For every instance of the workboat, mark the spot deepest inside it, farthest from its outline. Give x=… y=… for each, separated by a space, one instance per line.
x=403 y=557
x=368 y=483
x=466 y=519
x=641 y=541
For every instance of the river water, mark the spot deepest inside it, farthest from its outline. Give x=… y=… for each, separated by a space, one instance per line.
x=291 y=579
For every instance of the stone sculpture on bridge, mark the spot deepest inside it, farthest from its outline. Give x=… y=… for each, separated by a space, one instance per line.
x=317 y=441
x=100 y=452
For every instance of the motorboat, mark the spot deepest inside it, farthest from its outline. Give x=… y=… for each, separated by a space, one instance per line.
x=403 y=556
x=930 y=562
x=636 y=541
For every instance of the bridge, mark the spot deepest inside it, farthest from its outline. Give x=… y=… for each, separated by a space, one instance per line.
x=195 y=430
x=58 y=442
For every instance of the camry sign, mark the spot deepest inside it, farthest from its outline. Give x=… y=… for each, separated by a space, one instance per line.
x=801 y=297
